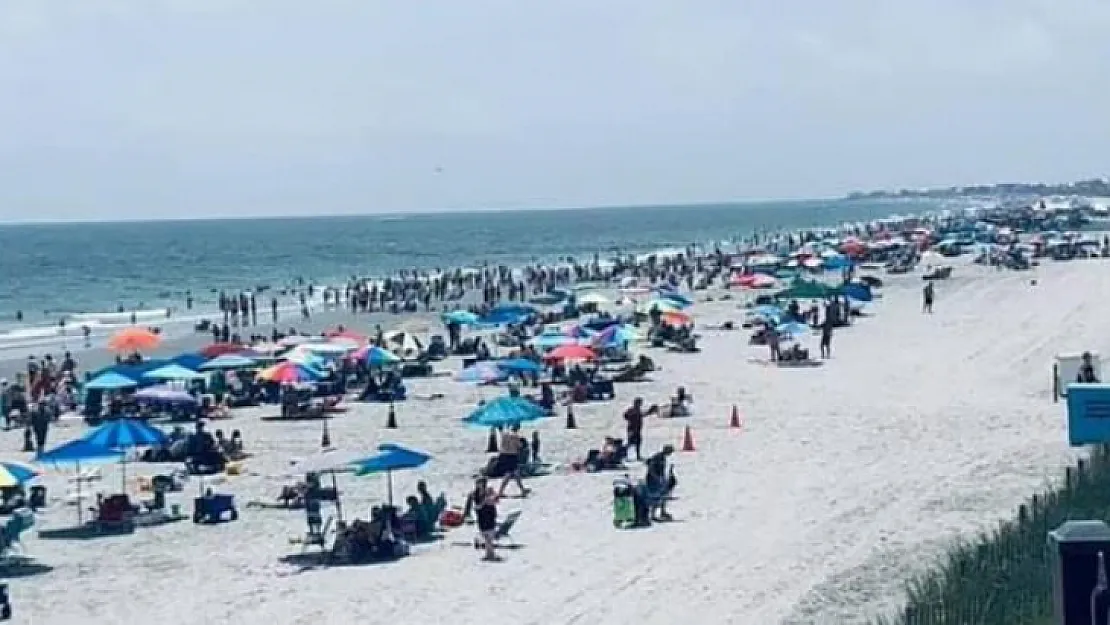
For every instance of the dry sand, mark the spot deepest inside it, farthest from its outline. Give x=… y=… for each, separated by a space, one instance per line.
x=844 y=480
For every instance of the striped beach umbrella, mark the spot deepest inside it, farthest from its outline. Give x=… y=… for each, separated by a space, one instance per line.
x=125 y=434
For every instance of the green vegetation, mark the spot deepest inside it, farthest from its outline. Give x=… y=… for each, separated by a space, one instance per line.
x=1004 y=577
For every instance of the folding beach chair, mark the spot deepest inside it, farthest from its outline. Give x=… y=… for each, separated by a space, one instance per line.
x=317 y=539
x=503 y=531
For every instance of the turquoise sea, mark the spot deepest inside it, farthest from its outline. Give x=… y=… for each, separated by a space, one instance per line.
x=50 y=270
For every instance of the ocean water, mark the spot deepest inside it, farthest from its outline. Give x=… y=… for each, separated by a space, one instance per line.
x=52 y=270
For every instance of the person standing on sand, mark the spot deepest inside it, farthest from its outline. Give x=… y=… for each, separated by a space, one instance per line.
x=927 y=295
x=634 y=422
x=826 y=337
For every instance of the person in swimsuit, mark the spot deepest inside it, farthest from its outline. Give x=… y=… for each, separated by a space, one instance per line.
x=509 y=459
x=1087 y=373
x=486 y=511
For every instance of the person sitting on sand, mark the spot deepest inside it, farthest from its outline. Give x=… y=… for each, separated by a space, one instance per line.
x=1087 y=371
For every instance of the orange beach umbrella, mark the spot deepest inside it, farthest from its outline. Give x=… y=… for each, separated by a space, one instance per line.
x=134 y=340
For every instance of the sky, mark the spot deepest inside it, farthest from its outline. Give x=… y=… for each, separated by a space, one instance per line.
x=125 y=109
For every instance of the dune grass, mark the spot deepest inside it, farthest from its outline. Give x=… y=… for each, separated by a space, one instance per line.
x=1004 y=577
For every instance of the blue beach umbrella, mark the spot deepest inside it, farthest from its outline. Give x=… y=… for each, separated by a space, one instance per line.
x=75 y=453
x=16 y=474
x=124 y=434
x=461 y=317
x=110 y=381
x=519 y=365
x=390 y=458
x=228 y=361
x=174 y=372
x=482 y=373
x=378 y=357
x=792 y=328
x=505 y=410
x=768 y=311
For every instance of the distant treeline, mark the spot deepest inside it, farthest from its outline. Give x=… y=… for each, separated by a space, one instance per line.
x=1099 y=187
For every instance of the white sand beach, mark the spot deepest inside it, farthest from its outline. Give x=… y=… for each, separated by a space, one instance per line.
x=843 y=481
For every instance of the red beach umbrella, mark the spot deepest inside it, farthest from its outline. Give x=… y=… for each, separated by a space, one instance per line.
x=571 y=352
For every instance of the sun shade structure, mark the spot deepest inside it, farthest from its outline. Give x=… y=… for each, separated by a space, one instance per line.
x=174 y=372
x=228 y=361
x=111 y=381
x=503 y=411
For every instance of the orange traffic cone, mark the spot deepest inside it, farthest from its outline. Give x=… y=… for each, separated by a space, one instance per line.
x=734 y=420
x=688 y=440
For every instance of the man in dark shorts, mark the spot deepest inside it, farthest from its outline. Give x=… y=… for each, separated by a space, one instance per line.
x=634 y=421
x=826 y=337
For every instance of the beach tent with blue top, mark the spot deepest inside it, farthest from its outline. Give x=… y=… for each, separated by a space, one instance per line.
x=227 y=361
x=173 y=372
x=110 y=381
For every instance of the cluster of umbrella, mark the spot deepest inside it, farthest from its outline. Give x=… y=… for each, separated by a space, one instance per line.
x=301 y=360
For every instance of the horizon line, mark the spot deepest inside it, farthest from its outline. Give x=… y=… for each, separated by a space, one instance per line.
x=416 y=212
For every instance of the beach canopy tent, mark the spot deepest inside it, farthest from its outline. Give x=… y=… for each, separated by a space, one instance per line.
x=75 y=453
x=390 y=458
x=110 y=381
x=166 y=394
x=227 y=361
x=806 y=289
x=486 y=372
x=136 y=371
x=134 y=340
x=16 y=473
x=503 y=411
x=173 y=372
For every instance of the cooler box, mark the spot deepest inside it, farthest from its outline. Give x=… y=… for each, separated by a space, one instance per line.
x=1067 y=369
x=1088 y=414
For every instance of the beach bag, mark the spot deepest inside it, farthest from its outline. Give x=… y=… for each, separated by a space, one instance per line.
x=451 y=518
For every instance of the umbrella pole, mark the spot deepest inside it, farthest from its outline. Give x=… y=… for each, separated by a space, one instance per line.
x=338 y=503
x=389 y=486
x=80 y=504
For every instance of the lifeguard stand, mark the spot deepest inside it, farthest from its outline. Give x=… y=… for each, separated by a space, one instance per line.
x=1066 y=370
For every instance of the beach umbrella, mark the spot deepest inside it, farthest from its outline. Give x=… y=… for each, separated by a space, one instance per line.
x=110 y=381
x=390 y=458
x=326 y=349
x=551 y=341
x=347 y=336
x=75 y=453
x=214 y=350
x=16 y=473
x=174 y=372
x=378 y=357
x=461 y=317
x=167 y=394
x=503 y=411
x=519 y=365
x=228 y=361
x=661 y=305
x=767 y=311
x=134 y=340
x=305 y=359
x=482 y=373
x=792 y=328
x=805 y=289
x=676 y=297
x=858 y=291
x=289 y=373
x=677 y=318
x=124 y=435
x=571 y=352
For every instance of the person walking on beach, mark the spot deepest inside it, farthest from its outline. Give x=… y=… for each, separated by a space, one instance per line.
x=634 y=422
x=509 y=460
x=826 y=337
x=927 y=295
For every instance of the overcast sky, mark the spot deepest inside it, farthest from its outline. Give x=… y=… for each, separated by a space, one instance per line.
x=163 y=108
